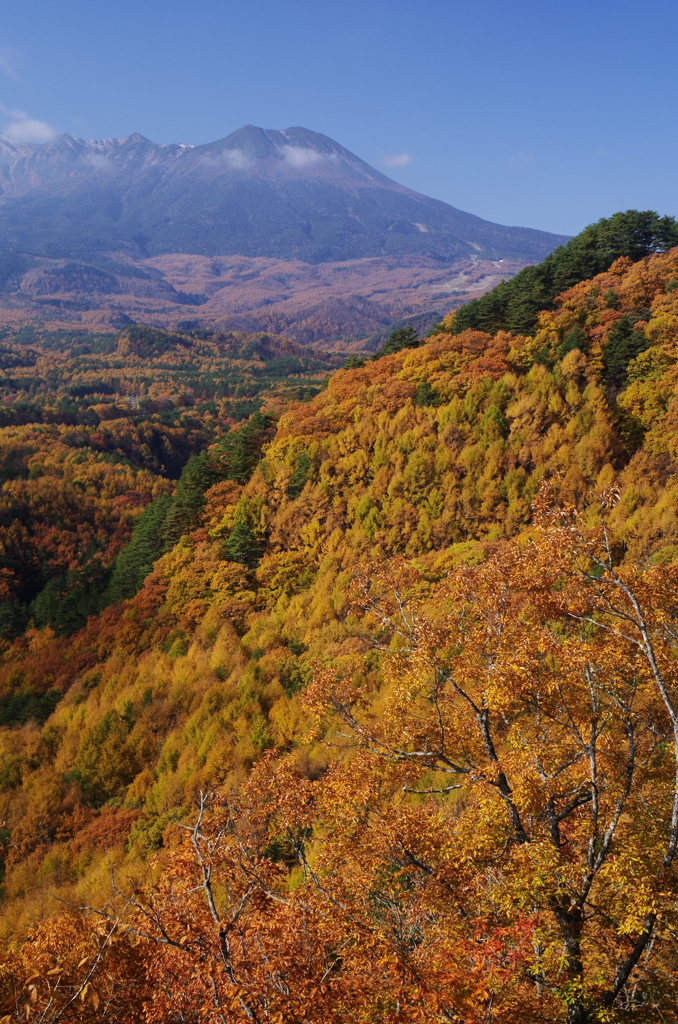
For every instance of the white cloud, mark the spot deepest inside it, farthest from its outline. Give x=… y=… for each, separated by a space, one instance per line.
x=23 y=128
x=398 y=159
x=235 y=159
x=9 y=62
x=301 y=156
x=99 y=162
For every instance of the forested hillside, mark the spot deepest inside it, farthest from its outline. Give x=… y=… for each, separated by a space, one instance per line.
x=412 y=635
x=94 y=427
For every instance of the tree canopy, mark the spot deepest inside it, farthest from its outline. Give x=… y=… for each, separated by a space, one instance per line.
x=515 y=304
x=384 y=728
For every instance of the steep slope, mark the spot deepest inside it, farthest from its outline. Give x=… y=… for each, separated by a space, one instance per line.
x=294 y=194
x=432 y=455
x=431 y=699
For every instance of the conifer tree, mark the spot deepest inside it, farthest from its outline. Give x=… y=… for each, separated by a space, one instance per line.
x=67 y=601
x=189 y=501
x=239 y=451
x=299 y=476
x=135 y=561
x=403 y=337
x=624 y=343
x=242 y=545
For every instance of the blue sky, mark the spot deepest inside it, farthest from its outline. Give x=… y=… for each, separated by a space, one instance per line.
x=543 y=113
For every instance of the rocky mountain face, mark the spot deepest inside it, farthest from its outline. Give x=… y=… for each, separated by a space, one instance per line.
x=103 y=230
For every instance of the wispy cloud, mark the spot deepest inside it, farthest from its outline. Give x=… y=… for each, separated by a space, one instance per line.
x=22 y=128
x=9 y=62
x=300 y=156
x=99 y=162
x=234 y=159
x=398 y=159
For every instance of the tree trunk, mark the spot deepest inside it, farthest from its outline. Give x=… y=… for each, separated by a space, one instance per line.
x=578 y=1014
x=570 y=919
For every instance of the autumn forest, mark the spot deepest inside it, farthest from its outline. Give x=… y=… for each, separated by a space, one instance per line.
x=346 y=690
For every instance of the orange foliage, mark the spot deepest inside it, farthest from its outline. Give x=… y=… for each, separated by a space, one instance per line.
x=469 y=812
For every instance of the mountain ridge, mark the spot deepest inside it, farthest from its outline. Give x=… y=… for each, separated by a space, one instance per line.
x=286 y=194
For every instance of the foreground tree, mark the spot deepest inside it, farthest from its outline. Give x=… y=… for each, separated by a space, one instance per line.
x=495 y=839
x=531 y=717
x=73 y=969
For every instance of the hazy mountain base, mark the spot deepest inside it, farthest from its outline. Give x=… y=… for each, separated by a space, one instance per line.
x=433 y=455
x=294 y=235
x=334 y=305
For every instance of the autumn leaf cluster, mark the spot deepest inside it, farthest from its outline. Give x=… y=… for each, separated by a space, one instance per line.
x=421 y=648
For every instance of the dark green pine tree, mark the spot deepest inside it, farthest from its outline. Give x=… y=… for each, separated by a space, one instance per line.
x=46 y=604
x=82 y=596
x=576 y=338
x=189 y=501
x=14 y=617
x=239 y=451
x=66 y=602
x=623 y=344
x=354 y=362
x=426 y=394
x=403 y=337
x=300 y=475
x=136 y=560
x=243 y=546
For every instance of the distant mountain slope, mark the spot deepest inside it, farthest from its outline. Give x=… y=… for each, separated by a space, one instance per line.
x=333 y=305
x=293 y=194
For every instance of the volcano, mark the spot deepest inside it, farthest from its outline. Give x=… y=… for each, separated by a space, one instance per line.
x=293 y=194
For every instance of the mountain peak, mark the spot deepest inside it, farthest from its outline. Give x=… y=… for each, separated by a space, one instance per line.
x=288 y=193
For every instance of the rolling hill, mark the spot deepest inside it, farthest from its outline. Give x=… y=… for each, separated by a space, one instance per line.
x=339 y=694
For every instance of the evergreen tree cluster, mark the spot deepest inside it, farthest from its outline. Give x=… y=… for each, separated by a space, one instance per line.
x=136 y=560
x=183 y=515
x=514 y=305
x=623 y=344
x=243 y=545
x=403 y=337
x=66 y=601
x=236 y=455
x=300 y=475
